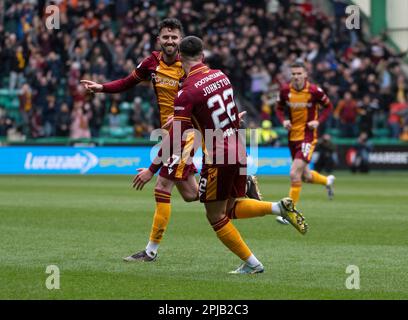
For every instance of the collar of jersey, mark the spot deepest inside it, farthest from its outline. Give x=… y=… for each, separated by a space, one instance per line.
x=305 y=87
x=197 y=68
x=160 y=58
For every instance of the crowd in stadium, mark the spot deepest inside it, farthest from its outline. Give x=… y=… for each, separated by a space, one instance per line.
x=254 y=43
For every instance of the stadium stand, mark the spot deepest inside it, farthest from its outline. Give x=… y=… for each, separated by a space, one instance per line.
x=252 y=42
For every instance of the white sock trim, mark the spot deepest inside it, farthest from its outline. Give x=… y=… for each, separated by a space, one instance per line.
x=253 y=261
x=151 y=248
x=330 y=180
x=276 y=209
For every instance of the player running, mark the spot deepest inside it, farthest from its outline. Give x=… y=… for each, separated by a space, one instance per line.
x=206 y=102
x=163 y=68
x=298 y=110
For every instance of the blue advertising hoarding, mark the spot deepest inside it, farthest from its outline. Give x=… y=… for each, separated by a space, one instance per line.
x=117 y=160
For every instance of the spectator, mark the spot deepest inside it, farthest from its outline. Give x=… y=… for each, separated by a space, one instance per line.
x=346 y=113
x=98 y=114
x=3 y=127
x=114 y=117
x=361 y=160
x=26 y=107
x=266 y=110
x=259 y=85
x=366 y=109
x=101 y=39
x=266 y=135
x=5 y=122
x=3 y=112
x=42 y=90
x=50 y=117
x=80 y=121
x=91 y=24
x=395 y=120
x=100 y=67
x=7 y=126
x=63 y=121
x=326 y=154
x=18 y=63
x=404 y=134
x=136 y=117
x=54 y=65
x=36 y=125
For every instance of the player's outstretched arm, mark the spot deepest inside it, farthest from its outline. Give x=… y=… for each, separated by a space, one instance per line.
x=92 y=86
x=115 y=86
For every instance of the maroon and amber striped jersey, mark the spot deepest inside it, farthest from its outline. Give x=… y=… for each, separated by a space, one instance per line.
x=206 y=102
x=165 y=79
x=301 y=107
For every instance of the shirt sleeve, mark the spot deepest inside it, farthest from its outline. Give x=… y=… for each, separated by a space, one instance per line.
x=120 y=85
x=282 y=110
x=325 y=103
x=183 y=108
x=141 y=73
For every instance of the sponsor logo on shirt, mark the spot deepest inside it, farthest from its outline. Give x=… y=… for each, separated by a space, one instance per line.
x=162 y=80
x=300 y=104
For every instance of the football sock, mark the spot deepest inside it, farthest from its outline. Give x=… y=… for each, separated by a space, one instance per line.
x=294 y=191
x=318 y=178
x=231 y=238
x=276 y=208
x=161 y=215
x=250 y=208
x=253 y=261
x=151 y=248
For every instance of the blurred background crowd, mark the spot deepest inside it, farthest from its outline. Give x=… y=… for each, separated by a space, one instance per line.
x=253 y=42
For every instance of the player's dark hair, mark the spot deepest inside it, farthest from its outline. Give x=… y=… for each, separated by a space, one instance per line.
x=171 y=23
x=191 y=47
x=298 y=64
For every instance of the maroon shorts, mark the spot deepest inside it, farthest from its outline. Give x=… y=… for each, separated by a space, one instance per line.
x=177 y=172
x=221 y=183
x=302 y=150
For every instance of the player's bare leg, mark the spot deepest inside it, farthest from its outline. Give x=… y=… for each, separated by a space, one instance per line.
x=188 y=189
x=161 y=219
x=231 y=238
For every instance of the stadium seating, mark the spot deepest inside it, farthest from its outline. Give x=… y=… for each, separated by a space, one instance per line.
x=232 y=61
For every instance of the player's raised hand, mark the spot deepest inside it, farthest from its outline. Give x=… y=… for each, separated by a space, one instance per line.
x=287 y=124
x=92 y=86
x=313 y=124
x=241 y=116
x=143 y=177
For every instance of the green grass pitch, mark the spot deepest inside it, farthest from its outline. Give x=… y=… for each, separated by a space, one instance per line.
x=86 y=224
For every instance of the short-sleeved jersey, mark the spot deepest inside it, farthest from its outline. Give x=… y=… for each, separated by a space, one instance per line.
x=206 y=102
x=301 y=107
x=165 y=79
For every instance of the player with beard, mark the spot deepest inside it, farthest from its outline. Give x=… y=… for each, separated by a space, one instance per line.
x=163 y=68
x=206 y=102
